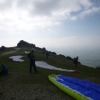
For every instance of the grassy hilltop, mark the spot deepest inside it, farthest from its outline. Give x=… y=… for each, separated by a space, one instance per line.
x=19 y=84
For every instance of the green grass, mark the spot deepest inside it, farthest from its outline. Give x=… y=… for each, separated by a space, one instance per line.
x=54 y=60
x=42 y=77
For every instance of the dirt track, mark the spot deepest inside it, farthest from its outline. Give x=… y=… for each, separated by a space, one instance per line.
x=6 y=53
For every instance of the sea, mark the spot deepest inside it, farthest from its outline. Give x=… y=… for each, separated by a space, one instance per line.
x=90 y=58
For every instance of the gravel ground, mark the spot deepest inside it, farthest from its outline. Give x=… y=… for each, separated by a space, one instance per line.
x=12 y=90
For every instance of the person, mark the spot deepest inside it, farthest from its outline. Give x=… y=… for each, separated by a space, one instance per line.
x=47 y=54
x=32 y=61
x=4 y=70
x=76 y=61
x=44 y=50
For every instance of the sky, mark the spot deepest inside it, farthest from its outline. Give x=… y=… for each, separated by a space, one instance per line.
x=53 y=24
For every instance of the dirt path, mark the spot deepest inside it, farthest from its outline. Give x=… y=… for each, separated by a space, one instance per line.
x=10 y=52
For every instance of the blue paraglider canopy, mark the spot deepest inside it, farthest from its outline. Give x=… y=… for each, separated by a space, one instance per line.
x=77 y=88
x=87 y=88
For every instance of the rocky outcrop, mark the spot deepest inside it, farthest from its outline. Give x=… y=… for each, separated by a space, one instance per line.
x=25 y=44
x=2 y=48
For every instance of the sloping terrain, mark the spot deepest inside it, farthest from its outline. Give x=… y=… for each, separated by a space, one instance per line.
x=19 y=84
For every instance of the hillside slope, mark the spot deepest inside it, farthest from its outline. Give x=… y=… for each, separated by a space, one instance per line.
x=19 y=84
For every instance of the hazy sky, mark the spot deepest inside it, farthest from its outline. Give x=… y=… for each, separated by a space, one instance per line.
x=72 y=24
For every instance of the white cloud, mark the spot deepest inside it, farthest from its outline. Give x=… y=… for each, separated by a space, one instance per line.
x=37 y=14
x=19 y=18
x=89 y=11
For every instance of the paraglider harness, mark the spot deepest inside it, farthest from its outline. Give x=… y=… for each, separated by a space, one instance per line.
x=4 y=70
